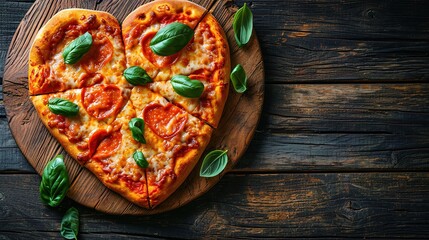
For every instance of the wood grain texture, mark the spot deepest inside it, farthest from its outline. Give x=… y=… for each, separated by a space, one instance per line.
x=38 y=146
x=354 y=41
x=348 y=205
x=383 y=43
x=11 y=13
x=327 y=127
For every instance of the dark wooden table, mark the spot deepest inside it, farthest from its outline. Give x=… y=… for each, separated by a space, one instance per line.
x=342 y=149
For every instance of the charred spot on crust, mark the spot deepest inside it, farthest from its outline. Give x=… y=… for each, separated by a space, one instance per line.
x=141 y=16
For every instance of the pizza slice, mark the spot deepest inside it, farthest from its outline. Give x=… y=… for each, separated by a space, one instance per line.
x=81 y=132
x=205 y=58
x=113 y=161
x=142 y=24
x=175 y=140
x=76 y=48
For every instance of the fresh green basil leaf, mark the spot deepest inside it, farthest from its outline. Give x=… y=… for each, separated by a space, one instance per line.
x=70 y=224
x=77 y=48
x=186 y=87
x=137 y=75
x=55 y=182
x=140 y=159
x=243 y=25
x=171 y=39
x=214 y=163
x=239 y=79
x=63 y=107
x=136 y=126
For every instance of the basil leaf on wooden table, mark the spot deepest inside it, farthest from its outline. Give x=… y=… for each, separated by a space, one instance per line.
x=239 y=79
x=77 y=48
x=187 y=87
x=70 y=224
x=171 y=39
x=214 y=163
x=137 y=75
x=55 y=182
x=136 y=126
x=243 y=25
x=140 y=159
x=63 y=107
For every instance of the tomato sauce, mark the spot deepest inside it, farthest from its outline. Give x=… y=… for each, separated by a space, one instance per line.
x=135 y=186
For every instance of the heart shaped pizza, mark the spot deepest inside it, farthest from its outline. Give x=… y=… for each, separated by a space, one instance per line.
x=135 y=104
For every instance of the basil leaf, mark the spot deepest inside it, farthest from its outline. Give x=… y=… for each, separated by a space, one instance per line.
x=70 y=224
x=243 y=25
x=137 y=75
x=63 y=107
x=171 y=39
x=214 y=163
x=239 y=79
x=55 y=182
x=186 y=87
x=140 y=159
x=77 y=48
x=136 y=126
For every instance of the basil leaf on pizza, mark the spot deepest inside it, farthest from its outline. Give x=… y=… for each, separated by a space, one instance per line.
x=137 y=76
x=243 y=25
x=171 y=39
x=214 y=163
x=186 y=87
x=136 y=126
x=140 y=159
x=77 y=48
x=55 y=182
x=63 y=107
x=70 y=224
x=239 y=79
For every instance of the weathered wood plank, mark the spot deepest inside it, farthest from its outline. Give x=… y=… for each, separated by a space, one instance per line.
x=324 y=41
x=342 y=126
x=17 y=235
x=338 y=127
x=275 y=205
x=12 y=13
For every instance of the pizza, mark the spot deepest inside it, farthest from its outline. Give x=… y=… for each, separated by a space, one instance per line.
x=140 y=140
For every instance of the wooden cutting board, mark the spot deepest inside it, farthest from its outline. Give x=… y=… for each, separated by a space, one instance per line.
x=235 y=131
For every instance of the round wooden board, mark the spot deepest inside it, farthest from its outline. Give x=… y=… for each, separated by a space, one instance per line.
x=235 y=131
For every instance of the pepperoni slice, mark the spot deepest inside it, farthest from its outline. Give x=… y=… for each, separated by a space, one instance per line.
x=156 y=60
x=44 y=81
x=109 y=145
x=165 y=121
x=94 y=141
x=99 y=54
x=102 y=101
